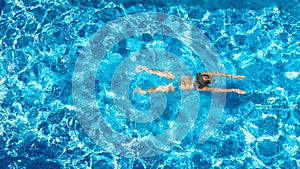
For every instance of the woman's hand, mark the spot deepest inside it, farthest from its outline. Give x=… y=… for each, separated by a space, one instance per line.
x=239 y=77
x=239 y=91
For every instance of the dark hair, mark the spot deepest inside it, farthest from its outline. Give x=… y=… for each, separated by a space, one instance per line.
x=203 y=83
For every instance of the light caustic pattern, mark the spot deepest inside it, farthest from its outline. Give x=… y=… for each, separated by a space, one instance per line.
x=87 y=64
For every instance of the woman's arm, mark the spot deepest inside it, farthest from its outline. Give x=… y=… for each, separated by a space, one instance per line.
x=210 y=89
x=223 y=74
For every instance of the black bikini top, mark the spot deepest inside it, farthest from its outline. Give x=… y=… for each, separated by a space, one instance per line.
x=200 y=81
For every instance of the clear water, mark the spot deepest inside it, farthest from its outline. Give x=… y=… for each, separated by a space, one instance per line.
x=40 y=43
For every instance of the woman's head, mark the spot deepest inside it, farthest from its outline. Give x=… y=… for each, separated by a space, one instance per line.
x=204 y=80
x=208 y=79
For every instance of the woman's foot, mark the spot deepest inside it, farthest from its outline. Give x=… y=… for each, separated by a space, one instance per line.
x=140 y=91
x=140 y=68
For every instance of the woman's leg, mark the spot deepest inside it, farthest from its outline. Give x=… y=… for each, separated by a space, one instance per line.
x=167 y=88
x=168 y=75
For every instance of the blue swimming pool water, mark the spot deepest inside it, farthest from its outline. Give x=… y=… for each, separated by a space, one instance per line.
x=41 y=41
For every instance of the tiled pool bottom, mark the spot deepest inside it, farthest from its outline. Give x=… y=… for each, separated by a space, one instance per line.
x=39 y=47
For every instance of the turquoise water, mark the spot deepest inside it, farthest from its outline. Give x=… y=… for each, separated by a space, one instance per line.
x=42 y=40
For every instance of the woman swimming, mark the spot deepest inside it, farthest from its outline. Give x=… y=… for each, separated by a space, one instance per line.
x=188 y=82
